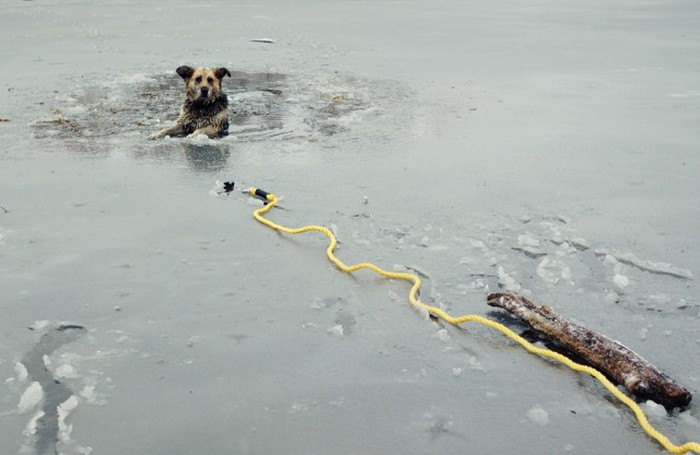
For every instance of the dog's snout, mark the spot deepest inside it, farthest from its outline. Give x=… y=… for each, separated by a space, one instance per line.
x=204 y=92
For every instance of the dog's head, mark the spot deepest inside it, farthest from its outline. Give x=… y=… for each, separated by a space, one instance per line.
x=202 y=84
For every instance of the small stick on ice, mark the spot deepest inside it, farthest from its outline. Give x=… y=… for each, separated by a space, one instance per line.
x=616 y=360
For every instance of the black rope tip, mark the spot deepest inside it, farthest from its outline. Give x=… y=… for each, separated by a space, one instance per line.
x=228 y=186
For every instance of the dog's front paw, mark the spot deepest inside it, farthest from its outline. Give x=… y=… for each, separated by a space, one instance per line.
x=155 y=136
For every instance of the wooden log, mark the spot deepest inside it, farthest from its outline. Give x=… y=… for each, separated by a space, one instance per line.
x=611 y=357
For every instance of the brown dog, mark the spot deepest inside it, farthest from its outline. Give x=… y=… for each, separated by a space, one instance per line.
x=205 y=110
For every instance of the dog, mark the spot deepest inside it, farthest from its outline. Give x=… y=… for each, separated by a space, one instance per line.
x=205 y=110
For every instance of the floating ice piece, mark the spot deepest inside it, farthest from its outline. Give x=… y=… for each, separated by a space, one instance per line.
x=475 y=365
x=421 y=273
x=553 y=271
x=531 y=251
x=40 y=325
x=336 y=330
x=611 y=296
x=579 y=243
x=477 y=244
x=30 y=398
x=643 y=333
x=537 y=414
x=652 y=408
x=65 y=371
x=660 y=268
x=507 y=281
x=263 y=40
x=90 y=395
x=621 y=281
x=528 y=239
x=443 y=335
x=21 y=371
x=422 y=312
x=64 y=409
x=33 y=423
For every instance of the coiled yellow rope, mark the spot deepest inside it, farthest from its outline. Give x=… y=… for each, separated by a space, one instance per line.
x=437 y=312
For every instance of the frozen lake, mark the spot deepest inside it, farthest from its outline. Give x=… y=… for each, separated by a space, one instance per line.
x=549 y=148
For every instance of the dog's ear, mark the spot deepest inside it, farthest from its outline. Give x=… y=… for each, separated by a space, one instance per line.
x=185 y=71
x=221 y=72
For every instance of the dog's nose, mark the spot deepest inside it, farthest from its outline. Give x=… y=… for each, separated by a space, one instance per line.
x=204 y=92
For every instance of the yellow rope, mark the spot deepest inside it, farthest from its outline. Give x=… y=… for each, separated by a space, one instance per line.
x=437 y=312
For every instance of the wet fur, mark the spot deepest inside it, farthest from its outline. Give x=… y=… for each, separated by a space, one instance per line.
x=205 y=109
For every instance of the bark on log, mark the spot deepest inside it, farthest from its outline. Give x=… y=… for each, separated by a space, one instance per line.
x=611 y=357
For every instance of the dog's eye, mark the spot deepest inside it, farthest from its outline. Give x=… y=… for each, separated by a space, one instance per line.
x=210 y=80
x=198 y=79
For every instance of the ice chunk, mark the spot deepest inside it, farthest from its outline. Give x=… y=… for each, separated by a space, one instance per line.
x=422 y=312
x=64 y=409
x=475 y=365
x=531 y=252
x=661 y=268
x=507 y=281
x=30 y=398
x=538 y=415
x=611 y=296
x=443 y=335
x=621 y=281
x=477 y=244
x=65 y=371
x=527 y=239
x=31 y=427
x=336 y=330
x=90 y=395
x=651 y=408
x=552 y=271
x=579 y=243
x=21 y=371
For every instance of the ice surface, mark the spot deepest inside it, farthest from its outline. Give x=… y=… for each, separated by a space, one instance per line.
x=501 y=145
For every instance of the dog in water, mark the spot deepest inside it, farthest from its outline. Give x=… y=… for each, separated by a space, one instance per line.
x=205 y=110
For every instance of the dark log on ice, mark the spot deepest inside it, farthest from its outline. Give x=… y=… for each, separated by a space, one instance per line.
x=609 y=356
